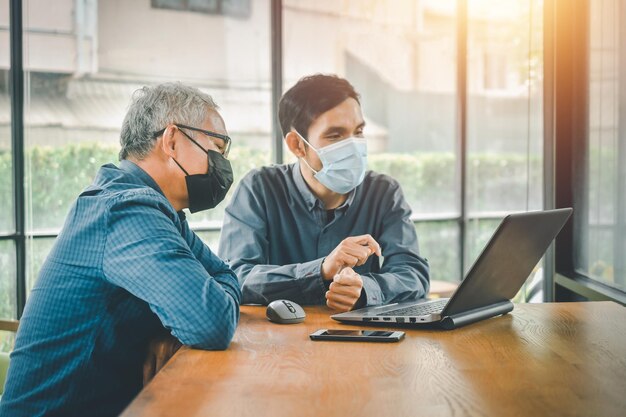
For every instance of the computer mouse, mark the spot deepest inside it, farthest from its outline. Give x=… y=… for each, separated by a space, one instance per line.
x=285 y=312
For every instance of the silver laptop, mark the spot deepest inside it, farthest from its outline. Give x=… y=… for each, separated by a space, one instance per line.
x=505 y=263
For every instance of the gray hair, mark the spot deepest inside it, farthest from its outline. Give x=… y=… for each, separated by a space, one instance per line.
x=152 y=108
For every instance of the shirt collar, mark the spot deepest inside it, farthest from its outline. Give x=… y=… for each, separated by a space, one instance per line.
x=134 y=169
x=309 y=198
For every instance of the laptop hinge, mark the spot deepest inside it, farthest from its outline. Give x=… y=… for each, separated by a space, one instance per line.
x=471 y=316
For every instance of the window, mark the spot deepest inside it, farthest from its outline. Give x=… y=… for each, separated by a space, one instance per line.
x=600 y=230
x=505 y=127
x=504 y=117
x=83 y=59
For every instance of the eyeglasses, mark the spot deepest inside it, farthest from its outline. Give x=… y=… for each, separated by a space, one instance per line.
x=223 y=145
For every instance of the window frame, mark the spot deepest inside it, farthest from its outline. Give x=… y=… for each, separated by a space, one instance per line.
x=16 y=87
x=566 y=135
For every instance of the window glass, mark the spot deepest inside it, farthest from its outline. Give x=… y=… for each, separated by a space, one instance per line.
x=505 y=106
x=7 y=341
x=600 y=198
x=211 y=239
x=6 y=158
x=439 y=243
x=84 y=59
x=479 y=231
x=8 y=280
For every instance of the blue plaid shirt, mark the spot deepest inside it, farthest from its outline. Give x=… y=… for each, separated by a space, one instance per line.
x=124 y=266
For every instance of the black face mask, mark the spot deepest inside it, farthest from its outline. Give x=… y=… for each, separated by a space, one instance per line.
x=206 y=191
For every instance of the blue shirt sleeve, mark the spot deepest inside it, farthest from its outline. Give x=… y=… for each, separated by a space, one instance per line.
x=153 y=255
x=245 y=245
x=404 y=274
x=213 y=265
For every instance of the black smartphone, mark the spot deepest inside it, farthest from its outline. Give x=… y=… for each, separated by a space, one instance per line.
x=357 y=335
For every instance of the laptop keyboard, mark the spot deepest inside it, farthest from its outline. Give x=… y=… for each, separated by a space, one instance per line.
x=418 y=309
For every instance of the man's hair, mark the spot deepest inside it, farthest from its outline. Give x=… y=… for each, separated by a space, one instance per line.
x=311 y=97
x=152 y=108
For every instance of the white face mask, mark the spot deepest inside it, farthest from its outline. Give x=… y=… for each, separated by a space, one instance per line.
x=343 y=164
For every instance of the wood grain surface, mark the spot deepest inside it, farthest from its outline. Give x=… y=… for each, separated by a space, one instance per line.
x=560 y=359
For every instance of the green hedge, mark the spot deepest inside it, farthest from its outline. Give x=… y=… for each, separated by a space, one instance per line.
x=55 y=176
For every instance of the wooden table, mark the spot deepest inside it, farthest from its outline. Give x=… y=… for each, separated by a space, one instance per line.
x=562 y=359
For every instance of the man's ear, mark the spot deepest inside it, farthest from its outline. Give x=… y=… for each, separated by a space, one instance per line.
x=169 y=141
x=295 y=144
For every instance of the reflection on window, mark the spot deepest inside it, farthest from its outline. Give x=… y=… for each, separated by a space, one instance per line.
x=601 y=196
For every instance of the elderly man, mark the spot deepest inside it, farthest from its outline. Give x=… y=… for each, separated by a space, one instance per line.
x=314 y=231
x=126 y=267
